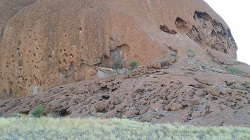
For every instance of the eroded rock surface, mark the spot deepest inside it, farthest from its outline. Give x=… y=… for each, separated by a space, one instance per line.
x=48 y=43
x=188 y=71
x=211 y=33
x=198 y=93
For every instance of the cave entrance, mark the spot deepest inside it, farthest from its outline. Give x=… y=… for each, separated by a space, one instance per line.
x=117 y=58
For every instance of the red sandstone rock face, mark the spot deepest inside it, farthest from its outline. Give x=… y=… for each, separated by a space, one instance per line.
x=189 y=73
x=8 y=8
x=55 y=42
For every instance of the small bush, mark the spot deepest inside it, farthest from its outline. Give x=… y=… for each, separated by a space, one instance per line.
x=117 y=64
x=38 y=111
x=234 y=70
x=133 y=64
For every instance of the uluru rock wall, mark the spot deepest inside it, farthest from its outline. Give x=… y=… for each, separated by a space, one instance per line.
x=8 y=8
x=54 y=42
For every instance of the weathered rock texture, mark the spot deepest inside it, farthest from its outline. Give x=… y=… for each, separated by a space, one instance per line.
x=8 y=8
x=188 y=70
x=198 y=93
x=46 y=43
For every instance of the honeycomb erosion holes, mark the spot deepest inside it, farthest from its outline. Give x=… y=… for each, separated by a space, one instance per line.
x=187 y=69
x=45 y=46
x=211 y=33
x=222 y=40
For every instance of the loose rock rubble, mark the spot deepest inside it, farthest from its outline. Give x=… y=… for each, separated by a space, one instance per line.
x=149 y=94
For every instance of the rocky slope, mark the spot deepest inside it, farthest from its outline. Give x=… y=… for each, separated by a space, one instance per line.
x=45 y=40
x=197 y=93
x=188 y=70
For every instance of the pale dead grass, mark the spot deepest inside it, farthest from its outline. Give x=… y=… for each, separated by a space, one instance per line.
x=25 y=128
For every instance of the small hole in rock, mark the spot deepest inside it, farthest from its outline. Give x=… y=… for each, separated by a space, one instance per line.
x=105 y=97
x=104 y=89
x=63 y=113
x=165 y=29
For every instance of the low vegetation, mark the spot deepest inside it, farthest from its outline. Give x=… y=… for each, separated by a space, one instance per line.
x=111 y=129
x=235 y=71
x=38 y=111
x=133 y=64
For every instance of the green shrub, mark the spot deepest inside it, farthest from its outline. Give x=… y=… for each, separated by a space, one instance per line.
x=234 y=70
x=117 y=64
x=38 y=111
x=133 y=64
